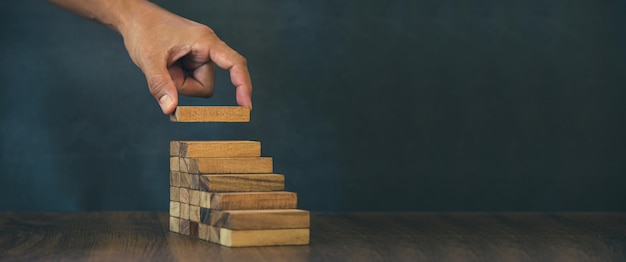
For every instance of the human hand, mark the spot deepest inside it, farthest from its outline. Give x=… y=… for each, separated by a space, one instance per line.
x=178 y=56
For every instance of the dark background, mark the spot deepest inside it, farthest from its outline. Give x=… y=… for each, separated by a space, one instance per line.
x=364 y=105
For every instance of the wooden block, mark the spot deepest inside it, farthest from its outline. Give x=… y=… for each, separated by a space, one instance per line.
x=174 y=193
x=175 y=224
x=242 y=183
x=251 y=238
x=211 y=114
x=184 y=179
x=175 y=178
x=174 y=209
x=174 y=163
x=204 y=232
x=184 y=195
x=194 y=181
x=174 y=148
x=256 y=219
x=184 y=211
x=193 y=229
x=194 y=197
x=215 y=149
x=233 y=165
x=182 y=165
x=194 y=213
x=184 y=226
x=249 y=200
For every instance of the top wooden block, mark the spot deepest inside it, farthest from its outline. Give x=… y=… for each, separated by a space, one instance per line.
x=211 y=114
x=215 y=148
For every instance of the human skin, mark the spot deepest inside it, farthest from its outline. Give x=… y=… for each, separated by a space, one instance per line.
x=177 y=55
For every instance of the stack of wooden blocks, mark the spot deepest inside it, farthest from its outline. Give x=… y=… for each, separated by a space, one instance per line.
x=226 y=193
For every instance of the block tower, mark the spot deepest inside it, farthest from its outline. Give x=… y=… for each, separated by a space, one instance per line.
x=226 y=193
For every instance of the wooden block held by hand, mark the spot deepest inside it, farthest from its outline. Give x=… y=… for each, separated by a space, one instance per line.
x=211 y=114
x=215 y=148
x=231 y=165
x=256 y=219
x=242 y=183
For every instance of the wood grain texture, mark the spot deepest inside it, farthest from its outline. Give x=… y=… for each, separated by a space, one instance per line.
x=174 y=163
x=256 y=219
x=174 y=224
x=252 y=238
x=144 y=236
x=193 y=149
x=174 y=209
x=174 y=193
x=194 y=181
x=249 y=200
x=233 y=165
x=184 y=180
x=184 y=211
x=184 y=195
x=193 y=228
x=175 y=178
x=194 y=197
x=242 y=183
x=194 y=213
x=184 y=226
x=211 y=114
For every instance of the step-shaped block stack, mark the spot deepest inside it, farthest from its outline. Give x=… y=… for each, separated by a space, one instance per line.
x=226 y=193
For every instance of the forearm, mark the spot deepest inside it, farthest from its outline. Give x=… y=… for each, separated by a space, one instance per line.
x=117 y=14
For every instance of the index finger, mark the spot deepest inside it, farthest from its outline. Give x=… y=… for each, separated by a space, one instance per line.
x=228 y=59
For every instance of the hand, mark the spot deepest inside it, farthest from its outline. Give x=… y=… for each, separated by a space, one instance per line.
x=178 y=56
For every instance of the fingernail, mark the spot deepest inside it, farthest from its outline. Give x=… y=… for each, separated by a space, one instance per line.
x=165 y=102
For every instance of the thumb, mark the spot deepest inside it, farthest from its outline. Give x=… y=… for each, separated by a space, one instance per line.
x=161 y=86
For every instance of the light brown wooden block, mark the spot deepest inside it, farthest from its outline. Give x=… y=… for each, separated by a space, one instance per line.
x=194 y=197
x=184 y=211
x=184 y=195
x=174 y=209
x=175 y=224
x=215 y=149
x=183 y=165
x=184 y=180
x=174 y=148
x=194 y=181
x=174 y=193
x=233 y=165
x=184 y=226
x=249 y=200
x=242 y=183
x=174 y=163
x=204 y=232
x=175 y=178
x=194 y=213
x=250 y=238
x=256 y=219
x=211 y=114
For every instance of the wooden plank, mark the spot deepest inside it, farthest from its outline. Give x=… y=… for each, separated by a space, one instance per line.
x=193 y=228
x=211 y=114
x=256 y=219
x=174 y=193
x=184 y=226
x=184 y=195
x=249 y=200
x=174 y=209
x=194 y=213
x=174 y=224
x=194 y=181
x=194 y=197
x=174 y=163
x=215 y=149
x=184 y=211
x=175 y=178
x=242 y=183
x=174 y=148
x=184 y=180
x=251 y=238
x=204 y=232
x=232 y=165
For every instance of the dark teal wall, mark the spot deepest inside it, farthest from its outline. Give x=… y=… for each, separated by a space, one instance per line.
x=365 y=105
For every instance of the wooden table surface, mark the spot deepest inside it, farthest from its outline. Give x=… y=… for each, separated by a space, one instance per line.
x=123 y=236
